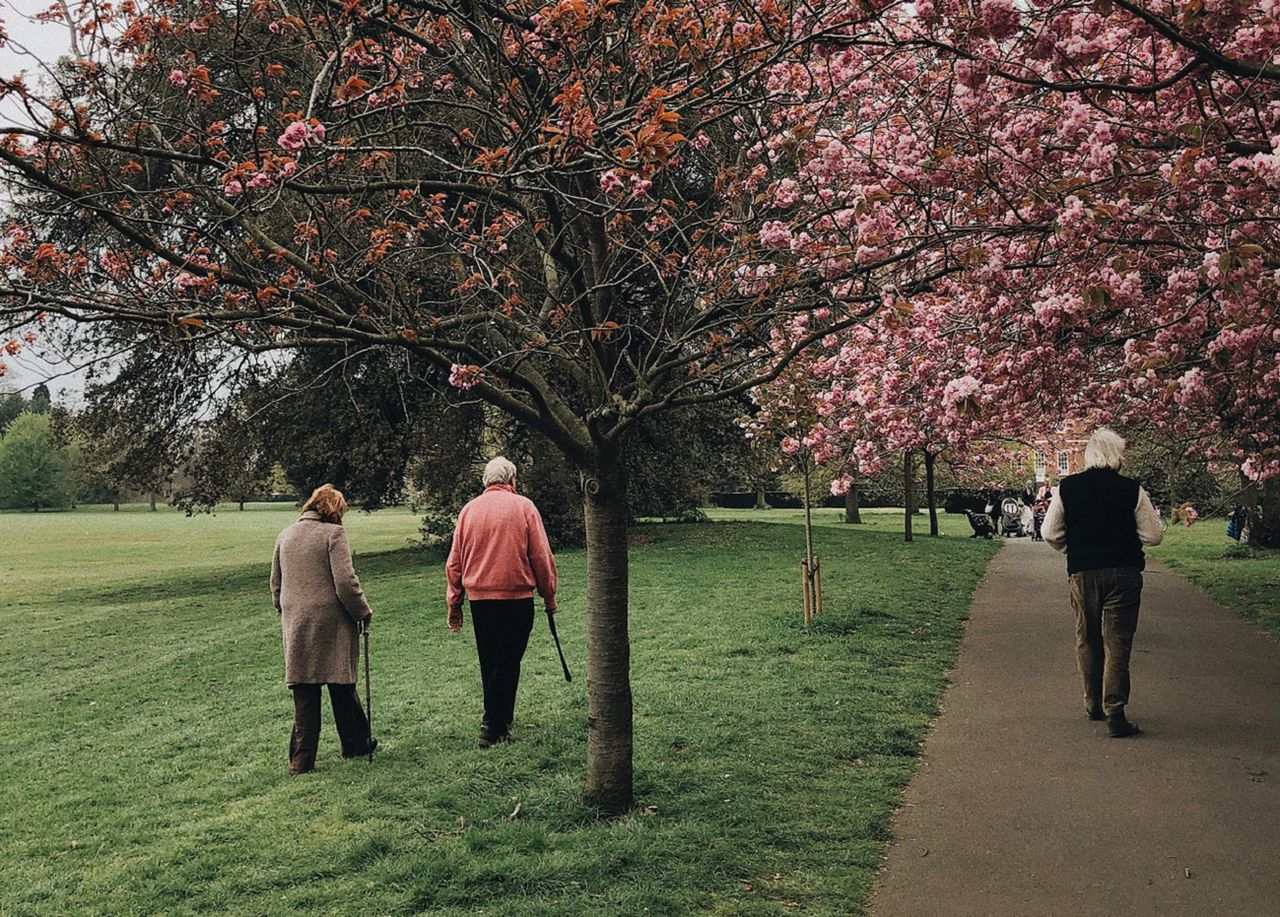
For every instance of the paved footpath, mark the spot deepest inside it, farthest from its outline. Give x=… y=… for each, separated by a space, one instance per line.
x=1022 y=806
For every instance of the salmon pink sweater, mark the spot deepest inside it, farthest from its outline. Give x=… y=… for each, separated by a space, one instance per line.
x=500 y=550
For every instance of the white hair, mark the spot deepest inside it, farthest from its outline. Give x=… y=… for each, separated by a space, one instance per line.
x=499 y=471
x=1105 y=449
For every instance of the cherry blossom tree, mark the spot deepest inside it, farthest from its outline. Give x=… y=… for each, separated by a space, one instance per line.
x=1134 y=145
x=1108 y=173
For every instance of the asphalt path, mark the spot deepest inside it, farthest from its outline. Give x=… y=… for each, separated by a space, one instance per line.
x=1022 y=806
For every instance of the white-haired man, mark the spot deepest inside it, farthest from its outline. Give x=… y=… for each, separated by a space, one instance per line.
x=1101 y=519
x=500 y=555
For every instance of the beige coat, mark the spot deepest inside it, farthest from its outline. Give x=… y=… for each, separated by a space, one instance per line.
x=316 y=590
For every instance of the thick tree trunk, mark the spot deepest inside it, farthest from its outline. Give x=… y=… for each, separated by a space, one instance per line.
x=609 y=772
x=929 y=459
x=153 y=502
x=852 y=514
x=909 y=495
x=242 y=506
x=760 y=501
x=1264 y=521
x=115 y=506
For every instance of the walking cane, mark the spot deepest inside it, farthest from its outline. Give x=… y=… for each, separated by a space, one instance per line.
x=551 y=619
x=368 y=700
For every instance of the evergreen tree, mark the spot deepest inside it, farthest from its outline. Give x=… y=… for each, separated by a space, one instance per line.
x=41 y=400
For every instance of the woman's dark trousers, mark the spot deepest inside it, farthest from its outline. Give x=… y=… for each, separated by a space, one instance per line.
x=353 y=725
x=502 y=629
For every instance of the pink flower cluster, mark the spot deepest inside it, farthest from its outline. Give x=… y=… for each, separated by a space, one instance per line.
x=960 y=390
x=465 y=376
x=301 y=134
x=610 y=183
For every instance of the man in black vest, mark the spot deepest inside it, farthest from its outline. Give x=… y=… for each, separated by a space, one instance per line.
x=1101 y=519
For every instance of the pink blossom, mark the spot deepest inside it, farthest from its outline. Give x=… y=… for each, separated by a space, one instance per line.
x=962 y=389
x=610 y=183
x=232 y=188
x=1001 y=18
x=775 y=234
x=640 y=186
x=299 y=134
x=177 y=77
x=465 y=376
x=787 y=193
x=294 y=136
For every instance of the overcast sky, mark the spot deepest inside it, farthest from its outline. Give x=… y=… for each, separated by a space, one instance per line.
x=30 y=44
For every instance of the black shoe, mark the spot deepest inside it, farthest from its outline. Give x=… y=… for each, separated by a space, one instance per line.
x=1120 y=728
x=491 y=737
x=1096 y=715
x=368 y=750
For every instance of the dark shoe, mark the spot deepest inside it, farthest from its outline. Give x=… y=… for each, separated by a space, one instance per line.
x=1096 y=715
x=295 y=771
x=368 y=750
x=1120 y=728
x=491 y=737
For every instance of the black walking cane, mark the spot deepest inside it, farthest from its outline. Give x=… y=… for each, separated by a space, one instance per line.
x=551 y=619
x=368 y=700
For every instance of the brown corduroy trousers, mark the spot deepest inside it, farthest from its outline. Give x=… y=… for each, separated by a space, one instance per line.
x=353 y=725
x=1106 y=604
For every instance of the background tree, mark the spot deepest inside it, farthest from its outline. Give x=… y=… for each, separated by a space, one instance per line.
x=139 y=426
x=11 y=405
x=228 y=463
x=34 y=468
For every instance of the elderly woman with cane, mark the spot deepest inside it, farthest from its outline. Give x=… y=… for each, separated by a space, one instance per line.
x=322 y=611
x=500 y=555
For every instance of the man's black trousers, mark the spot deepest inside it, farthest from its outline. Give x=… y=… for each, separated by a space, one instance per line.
x=502 y=632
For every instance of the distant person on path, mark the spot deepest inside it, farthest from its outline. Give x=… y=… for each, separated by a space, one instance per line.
x=1101 y=519
x=322 y=608
x=500 y=555
x=994 y=499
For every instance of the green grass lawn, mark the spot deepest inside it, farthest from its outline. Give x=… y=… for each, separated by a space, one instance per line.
x=146 y=726
x=1248 y=581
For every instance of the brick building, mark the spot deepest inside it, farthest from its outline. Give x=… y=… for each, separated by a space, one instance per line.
x=1060 y=452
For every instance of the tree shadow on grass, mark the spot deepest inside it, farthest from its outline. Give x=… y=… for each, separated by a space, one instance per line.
x=245 y=578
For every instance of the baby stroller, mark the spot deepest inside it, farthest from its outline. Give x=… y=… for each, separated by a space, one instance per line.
x=1011 y=517
x=981 y=522
x=1040 y=509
